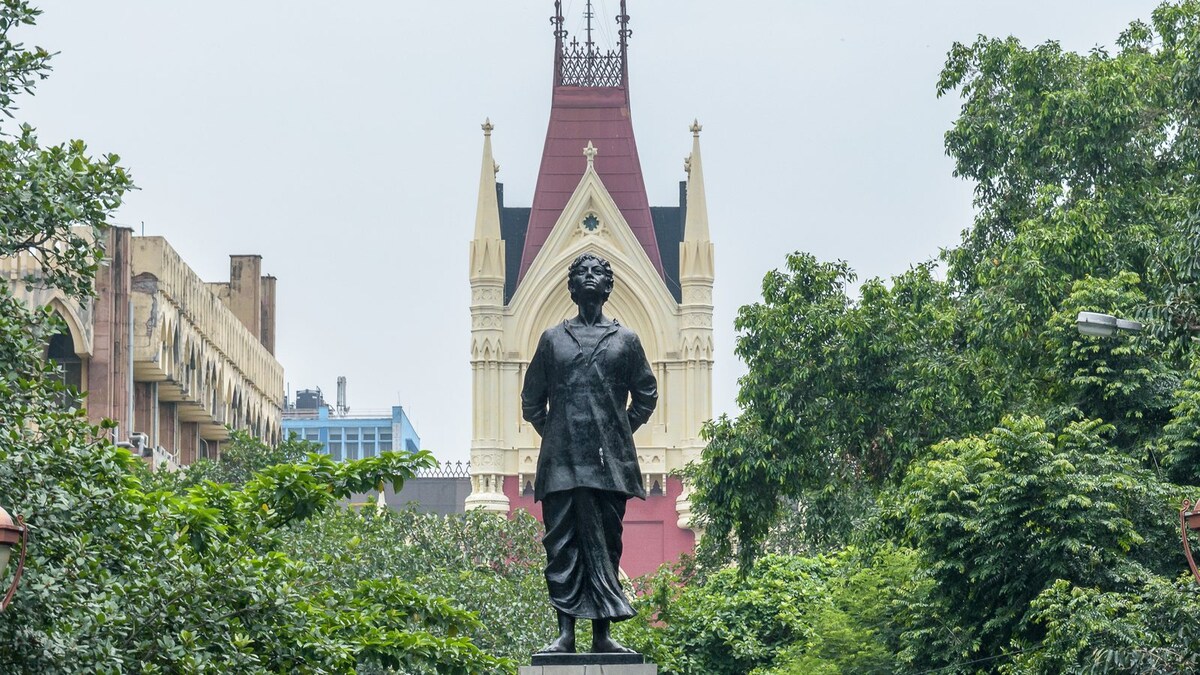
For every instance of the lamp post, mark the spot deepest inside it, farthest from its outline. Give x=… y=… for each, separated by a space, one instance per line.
x=1189 y=519
x=1107 y=325
x=10 y=534
x=1104 y=325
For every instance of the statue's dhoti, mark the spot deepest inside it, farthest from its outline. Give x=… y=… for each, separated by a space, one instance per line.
x=583 y=553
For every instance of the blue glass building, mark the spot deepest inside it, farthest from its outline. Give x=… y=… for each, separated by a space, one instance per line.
x=350 y=436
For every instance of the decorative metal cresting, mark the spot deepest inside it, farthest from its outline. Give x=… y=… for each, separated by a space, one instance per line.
x=447 y=470
x=10 y=534
x=584 y=64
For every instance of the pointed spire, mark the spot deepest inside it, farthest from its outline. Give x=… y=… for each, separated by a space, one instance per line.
x=487 y=216
x=695 y=227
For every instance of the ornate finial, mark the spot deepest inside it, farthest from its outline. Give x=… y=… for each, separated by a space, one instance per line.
x=623 y=21
x=487 y=127
x=557 y=21
x=696 y=128
x=590 y=152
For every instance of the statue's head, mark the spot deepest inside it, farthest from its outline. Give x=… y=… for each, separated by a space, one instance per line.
x=589 y=269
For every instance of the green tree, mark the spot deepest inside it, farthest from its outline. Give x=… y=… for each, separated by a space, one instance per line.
x=1084 y=167
x=1154 y=629
x=488 y=565
x=242 y=456
x=838 y=398
x=55 y=200
x=728 y=625
x=122 y=576
x=872 y=601
x=841 y=613
x=1000 y=518
x=1045 y=528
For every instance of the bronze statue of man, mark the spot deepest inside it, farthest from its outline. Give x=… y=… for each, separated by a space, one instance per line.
x=587 y=389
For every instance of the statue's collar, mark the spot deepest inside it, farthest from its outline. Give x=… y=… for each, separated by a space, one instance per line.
x=574 y=322
x=571 y=325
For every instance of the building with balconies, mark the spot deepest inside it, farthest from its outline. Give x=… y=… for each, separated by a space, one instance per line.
x=174 y=361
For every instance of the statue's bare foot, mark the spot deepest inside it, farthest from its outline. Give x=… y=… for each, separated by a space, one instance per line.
x=565 y=644
x=607 y=645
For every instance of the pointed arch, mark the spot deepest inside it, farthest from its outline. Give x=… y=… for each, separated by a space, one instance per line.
x=640 y=298
x=79 y=338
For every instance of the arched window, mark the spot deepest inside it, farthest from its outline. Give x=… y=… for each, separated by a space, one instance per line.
x=61 y=350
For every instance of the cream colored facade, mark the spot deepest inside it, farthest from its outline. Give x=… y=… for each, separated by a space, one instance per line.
x=677 y=336
x=172 y=359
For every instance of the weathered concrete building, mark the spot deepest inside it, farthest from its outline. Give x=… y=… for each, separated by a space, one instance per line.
x=172 y=359
x=591 y=197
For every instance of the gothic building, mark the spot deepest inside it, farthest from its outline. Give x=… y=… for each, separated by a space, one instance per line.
x=590 y=196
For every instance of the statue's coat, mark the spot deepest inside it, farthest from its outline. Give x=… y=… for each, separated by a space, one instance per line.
x=577 y=403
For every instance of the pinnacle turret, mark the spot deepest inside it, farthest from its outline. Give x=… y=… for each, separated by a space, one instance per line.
x=696 y=250
x=487 y=214
x=695 y=227
x=487 y=248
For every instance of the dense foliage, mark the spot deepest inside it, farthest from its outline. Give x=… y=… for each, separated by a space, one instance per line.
x=1002 y=518
x=932 y=473
x=122 y=575
x=241 y=458
x=790 y=615
x=488 y=565
x=954 y=411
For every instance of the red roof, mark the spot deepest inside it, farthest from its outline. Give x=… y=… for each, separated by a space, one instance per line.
x=600 y=115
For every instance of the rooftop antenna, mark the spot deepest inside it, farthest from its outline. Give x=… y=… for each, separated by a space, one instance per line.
x=589 y=14
x=342 y=408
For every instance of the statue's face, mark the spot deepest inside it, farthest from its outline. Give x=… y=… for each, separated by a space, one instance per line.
x=588 y=278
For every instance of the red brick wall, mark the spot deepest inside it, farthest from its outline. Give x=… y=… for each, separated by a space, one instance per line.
x=652 y=534
x=108 y=370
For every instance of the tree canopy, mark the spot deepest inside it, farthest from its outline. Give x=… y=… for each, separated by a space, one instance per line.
x=130 y=573
x=955 y=411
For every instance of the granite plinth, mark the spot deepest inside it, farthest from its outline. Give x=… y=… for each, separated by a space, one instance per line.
x=589 y=664
x=628 y=669
x=587 y=659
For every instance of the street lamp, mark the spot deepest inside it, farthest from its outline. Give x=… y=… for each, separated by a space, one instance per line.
x=1103 y=325
x=1107 y=325
x=10 y=534
x=1189 y=519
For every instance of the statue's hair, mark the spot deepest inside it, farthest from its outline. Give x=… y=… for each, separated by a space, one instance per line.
x=605 y=267
x=608 y=272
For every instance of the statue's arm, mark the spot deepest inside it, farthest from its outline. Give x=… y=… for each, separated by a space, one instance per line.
x=643 y=388
x=536 y=391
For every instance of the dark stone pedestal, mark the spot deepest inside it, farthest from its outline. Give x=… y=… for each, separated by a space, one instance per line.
x=589 y=664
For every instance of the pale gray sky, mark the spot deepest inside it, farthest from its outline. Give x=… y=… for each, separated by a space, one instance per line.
x=341 y=142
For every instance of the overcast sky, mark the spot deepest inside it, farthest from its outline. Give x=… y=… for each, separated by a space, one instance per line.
x=341 y=142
